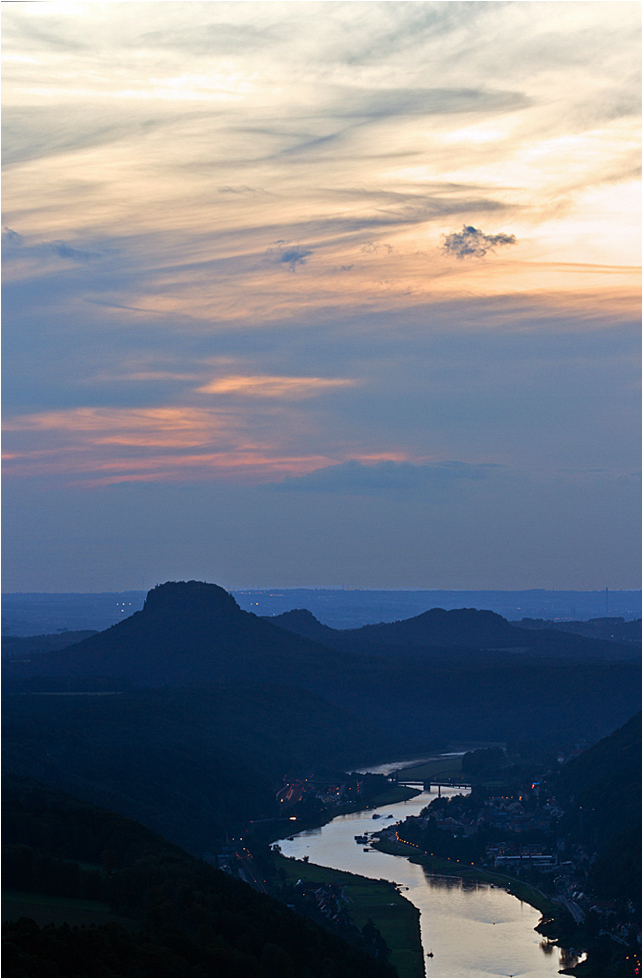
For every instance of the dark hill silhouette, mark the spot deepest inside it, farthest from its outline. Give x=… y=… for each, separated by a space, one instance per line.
x=456 y=629
x=218 y=703
x=186 y=633
x=304 y=623
x=191 y=633
x=178 y=916
x=14 y=647
x=189 y=762
x=604 y=784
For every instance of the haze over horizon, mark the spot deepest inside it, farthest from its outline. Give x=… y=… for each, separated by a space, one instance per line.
x=322 y=293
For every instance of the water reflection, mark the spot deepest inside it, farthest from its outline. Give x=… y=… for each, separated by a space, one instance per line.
x=567 y=957
x=472 y=929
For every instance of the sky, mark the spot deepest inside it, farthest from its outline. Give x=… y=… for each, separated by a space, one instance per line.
x=321 y=294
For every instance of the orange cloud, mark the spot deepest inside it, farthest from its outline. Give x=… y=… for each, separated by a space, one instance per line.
x=98 y=446
x=128 y=426
x=270 y=386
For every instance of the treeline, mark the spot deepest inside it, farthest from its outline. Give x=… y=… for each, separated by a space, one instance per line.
x=187 y=918
x=190 y=763
x=601 y=791
x=218 y=705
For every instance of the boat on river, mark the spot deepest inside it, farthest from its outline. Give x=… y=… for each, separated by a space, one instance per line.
x=455 y=919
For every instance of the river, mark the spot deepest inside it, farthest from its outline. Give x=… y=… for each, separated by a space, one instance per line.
x=473 y=929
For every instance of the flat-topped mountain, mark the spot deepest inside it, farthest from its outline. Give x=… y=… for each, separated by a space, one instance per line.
x=440 y=675
x=188 y=713
x=187 y=632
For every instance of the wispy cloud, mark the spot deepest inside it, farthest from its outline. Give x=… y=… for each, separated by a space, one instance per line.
x=265 y=386
x=169 y=443
x=127 y=426
x=15 y=246
x=230 y=268
x=356 y=477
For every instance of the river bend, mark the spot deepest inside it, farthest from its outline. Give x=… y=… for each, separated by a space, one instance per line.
x=472 y=929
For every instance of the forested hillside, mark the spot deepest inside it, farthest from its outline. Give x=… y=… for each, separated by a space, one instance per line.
x=173 y=916
x=188 y=714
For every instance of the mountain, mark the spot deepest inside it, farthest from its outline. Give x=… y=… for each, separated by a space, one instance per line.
x=187 y=633
x=303 y=623
x=500 y=682
x=458 y=629
x=601 y=791
x=187 y=714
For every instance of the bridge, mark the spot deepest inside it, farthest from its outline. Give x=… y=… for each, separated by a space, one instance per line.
x=429 y=784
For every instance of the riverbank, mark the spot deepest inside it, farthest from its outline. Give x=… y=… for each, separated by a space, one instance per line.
x=455 y=869
x=397 y=920
x=274 y=830
x=397 y=794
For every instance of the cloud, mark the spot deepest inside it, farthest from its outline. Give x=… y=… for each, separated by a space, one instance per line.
x=11 y=238
x=235 y=190
x=140 y=376
x=13 y=245
x=355 y=477
x=98 y=446
x=472 y=241
x=282 y=253
x=428 y=102
x=267 y=386
x=370 y=247
x=66 y=251
x=150 y=426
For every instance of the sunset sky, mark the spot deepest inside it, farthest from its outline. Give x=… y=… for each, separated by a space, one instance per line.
x=321 y=294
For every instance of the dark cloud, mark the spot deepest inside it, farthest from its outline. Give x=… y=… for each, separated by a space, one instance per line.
x=281 y=253
x=66 y=251
x=10 y=238
x=13 y=243
x=355 y=477
x=472 y=241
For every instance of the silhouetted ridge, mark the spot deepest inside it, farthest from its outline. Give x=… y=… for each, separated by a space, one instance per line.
x=462 y=632
x=460 y=627
x=187 y=633
x=304 y=623
x=191 y=599
x=469 y=628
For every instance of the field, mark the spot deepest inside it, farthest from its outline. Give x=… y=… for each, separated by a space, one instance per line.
x=395 y=917
x=44 y=909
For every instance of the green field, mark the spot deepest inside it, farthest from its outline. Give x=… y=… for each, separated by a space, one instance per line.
x=520 y=889
x=395 y=917
x=44 y=909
